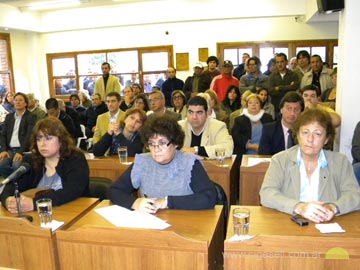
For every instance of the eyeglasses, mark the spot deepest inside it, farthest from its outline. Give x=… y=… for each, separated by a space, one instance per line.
x=177 y=97
x=160 y=144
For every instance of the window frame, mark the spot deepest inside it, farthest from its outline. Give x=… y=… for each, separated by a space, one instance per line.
x=51 y=56
x=6 y=37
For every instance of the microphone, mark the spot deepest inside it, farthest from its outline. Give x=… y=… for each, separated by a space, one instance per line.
x=24 y=168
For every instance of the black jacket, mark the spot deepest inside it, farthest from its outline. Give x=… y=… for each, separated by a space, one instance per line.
x=27 y=123
x=74 y=174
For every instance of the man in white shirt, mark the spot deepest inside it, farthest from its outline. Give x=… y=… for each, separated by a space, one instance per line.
x=204 y=134
x=109 y=121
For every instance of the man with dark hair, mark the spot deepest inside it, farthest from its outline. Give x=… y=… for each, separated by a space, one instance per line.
x=303 y=60
x=311 y=95
x=53 y=109
x=204 y=134
x=255 y=79
x=240 y=69
x=212 y=70
x=15 y=135
x=98 y=107
x=318 y=75
x=276 y=136
x=109 y=121
x=170 y=84
x=107 y=83
x=282 y=81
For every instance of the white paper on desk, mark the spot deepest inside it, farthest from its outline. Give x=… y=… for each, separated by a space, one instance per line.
x=122 y=217
x=329 y=228
x=238 y=238
x=54 y=225
x=255 y=161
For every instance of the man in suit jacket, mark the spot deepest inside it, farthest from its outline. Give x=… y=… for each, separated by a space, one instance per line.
x=107 y=83
x=274 y=137
x=15 y=135
x=157 y=105
x=204 y=133
x=109 y=121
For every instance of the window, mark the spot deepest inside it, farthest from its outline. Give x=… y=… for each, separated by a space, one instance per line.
x=327 y=49
x=6 y=78
x=71 y=72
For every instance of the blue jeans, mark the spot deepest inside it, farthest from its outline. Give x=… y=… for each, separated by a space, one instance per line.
x=7 y=165
x=356 y=167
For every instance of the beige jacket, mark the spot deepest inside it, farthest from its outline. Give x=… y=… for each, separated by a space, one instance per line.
x=215 y=135
x=337 y=184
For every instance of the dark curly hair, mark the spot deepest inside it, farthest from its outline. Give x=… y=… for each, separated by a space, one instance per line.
x=165 y=126
x=53 y=127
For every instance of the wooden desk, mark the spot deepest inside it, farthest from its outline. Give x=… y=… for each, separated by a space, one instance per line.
x=251 y=179
x=24 y=245
x=111 y=168
x=281 y=244
x=194 y=241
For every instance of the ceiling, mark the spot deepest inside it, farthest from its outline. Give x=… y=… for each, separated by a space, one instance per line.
x=25 y=4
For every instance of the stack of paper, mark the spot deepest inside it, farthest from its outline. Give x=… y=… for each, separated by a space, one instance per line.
x=122 y=217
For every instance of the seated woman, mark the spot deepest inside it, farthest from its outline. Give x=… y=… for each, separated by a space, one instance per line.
x=307 y=180
x=247 y=128
x=232 y=100
x=58 y=170
x=125 y=134
x=268 y=107
x=166 y=177
x=142 y=102
x=178 y=101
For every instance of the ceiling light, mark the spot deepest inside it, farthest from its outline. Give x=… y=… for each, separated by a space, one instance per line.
x=54 y=4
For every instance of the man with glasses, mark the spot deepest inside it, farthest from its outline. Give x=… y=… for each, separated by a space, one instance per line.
x=254 y=80
x=157 y=105
x=109 y=122
x=204 y=134
x=277 y=136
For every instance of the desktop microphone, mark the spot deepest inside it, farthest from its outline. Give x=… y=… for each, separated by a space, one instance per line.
x=24 y=168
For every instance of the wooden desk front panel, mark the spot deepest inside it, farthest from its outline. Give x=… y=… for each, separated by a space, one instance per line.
x=251 y=179
x=24 y=245
x=194 y=241
x=281 y=244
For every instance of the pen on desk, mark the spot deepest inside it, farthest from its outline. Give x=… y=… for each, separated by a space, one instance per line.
x=145 y=196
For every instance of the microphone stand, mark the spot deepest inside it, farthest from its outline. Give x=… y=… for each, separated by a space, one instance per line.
x=18 y=204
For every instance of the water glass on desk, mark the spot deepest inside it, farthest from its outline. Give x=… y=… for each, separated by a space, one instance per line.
x=44 y=207
x=220 y=155
x=241 y=219
x=123 y=154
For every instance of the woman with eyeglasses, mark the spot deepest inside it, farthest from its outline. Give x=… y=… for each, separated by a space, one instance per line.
x=166 y=177
x=178 y=101
x=56 y=169
x=308 y=180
